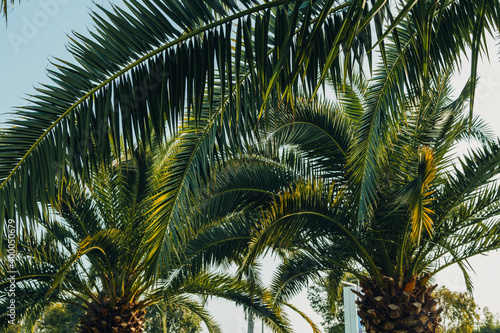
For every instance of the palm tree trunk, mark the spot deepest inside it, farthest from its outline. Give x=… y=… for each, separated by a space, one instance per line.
x=250 y=322
x=104 y=316
x=405 y=308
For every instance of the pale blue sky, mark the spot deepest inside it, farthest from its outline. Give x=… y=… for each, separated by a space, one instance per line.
x=35 y=33
x=38 y=31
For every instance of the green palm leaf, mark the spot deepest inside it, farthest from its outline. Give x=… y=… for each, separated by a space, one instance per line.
x=137 y=74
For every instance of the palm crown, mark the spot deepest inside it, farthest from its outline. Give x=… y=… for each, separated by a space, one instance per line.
x=429 y=208
x=179 y=57
x=380 y=160
x=91 y=250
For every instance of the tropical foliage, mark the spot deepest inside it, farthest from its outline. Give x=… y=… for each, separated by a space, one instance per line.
x=430 y=208
x=91 y=247
x=177 y=58
x=229 y=90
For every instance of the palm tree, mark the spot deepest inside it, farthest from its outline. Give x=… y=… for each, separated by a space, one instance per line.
x=92 y=248
x=430 y=209
x=139 y=75
x=145 y=69
x=412 y=209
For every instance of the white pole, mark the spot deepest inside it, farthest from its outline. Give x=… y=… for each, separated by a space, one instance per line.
x=351 y=319
x=250 y=322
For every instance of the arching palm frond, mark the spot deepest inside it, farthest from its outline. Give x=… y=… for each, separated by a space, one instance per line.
x=413 y=59
x=310 y=211
x=430 y=208
x=145 y=69
x=94 y=247
x=319 y=131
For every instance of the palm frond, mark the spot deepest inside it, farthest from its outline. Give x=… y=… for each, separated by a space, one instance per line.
x=148 y=79
x=472 y=172
x=417 y=195
x=306 y=265
x=233 y=289
x=309 y=211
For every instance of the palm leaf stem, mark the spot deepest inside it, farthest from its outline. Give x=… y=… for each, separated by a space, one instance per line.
x=137 y=62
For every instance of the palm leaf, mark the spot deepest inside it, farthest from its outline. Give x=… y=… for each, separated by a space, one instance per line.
x=147 y=80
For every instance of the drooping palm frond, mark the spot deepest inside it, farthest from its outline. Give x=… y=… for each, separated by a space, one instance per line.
x=233 y=289
x=309 y=211
x=318 y=130
x=144 y=69
x=382 y=107
x=306 y=265
x=415 y=56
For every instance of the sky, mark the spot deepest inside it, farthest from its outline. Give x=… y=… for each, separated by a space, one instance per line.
x=38 y=31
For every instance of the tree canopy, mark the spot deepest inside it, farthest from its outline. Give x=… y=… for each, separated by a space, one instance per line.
x=230 y=91
x=461 y=314
x=177 y=58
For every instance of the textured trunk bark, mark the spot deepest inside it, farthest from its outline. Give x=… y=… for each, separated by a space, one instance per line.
x=104 y=317
x=397 y=308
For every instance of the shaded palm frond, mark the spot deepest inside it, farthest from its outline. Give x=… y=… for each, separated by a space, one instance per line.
x=128 y=87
